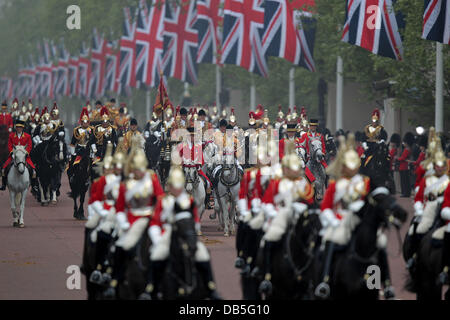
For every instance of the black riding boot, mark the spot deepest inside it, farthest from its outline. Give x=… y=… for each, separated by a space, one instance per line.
x=154 y=277
x=101 y=249
x=266 y=285
x=4 y=178
x=389 y=293
x=205 y=269
x=118 y=273
x=323 y=289
x=443 y=276
x=239 y=263
x=415 y=242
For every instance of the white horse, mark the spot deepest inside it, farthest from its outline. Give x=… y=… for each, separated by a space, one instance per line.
x=195 y=187
x=227 y=192
x=18 y=183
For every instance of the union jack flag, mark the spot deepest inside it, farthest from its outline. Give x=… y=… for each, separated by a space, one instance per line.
x=436 y=21
x=111 y=68
x=243 y=25
x=46 y=68
x=98 y=60
x=180 y=42
x=149 y=42
x=208 y=25
x=73 y=76
x=84 y=72
x=62 y=86
x=373 y=25
x=126 y=77
x=289 y=31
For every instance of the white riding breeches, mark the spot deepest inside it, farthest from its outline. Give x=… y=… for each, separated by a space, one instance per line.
x=160 y=250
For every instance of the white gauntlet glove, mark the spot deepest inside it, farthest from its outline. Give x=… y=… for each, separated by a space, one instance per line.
x=256 y=205
x=61 y=134
x=329 y=219
x=146 y=134
x=418 y=209
x=154 y=232
x=122 y=221
x=299 y=207
x=242 y=207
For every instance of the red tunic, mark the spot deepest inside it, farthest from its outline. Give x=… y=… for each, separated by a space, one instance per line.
x=360 y=151
x=403 y=163
x=328 y=201
x=123 y=206
x=256 y=191
x=273 y=190
x=446 y=203
x=23 y=140
x=392 y=154
x=192 y=156
x=419 y=160
x=6 y=120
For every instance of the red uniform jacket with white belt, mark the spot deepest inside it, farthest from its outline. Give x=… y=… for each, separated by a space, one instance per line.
x=122 y=205
x=15 y=140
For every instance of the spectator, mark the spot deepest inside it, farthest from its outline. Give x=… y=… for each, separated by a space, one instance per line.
x=403 y=166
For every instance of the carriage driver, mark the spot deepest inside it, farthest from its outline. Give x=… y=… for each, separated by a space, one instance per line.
x=18 y=138
x=176 y=205
x=341 y=208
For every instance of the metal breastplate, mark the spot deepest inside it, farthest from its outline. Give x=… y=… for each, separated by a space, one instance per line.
x=139 y=201
x=352 y=191
x=435 y=187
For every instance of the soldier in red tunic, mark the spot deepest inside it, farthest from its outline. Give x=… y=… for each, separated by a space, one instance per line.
x=176 y=205
x=5 y=117
x=445 y=214
x=18 y=138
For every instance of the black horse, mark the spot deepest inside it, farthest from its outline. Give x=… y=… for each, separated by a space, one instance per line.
x=79 y=182
x=423 y=279
x=350 y=263
x=293 y=257
x=375 y=163
x=49 y=156
x=4 y=153
x=181 y=279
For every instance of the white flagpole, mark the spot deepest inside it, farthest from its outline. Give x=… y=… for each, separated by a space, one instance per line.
x=339 y=93
x=148 y=107
x=291 y=88
x=439 y=107
x=218 y=87
x=252 y=95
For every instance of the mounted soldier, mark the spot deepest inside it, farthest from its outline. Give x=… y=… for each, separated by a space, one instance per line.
x=176 y=205
x=18 y=138
x=122 y=121
x=83 y=141
x=343 y=210
x=132 y=133
x=104 y=133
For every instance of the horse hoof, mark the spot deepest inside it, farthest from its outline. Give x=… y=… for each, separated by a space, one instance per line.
x=15 y=224
x=54 y=201
x=199 y=233
x=21 y=225
x=226 y=234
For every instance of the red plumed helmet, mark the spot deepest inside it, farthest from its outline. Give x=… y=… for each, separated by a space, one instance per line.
x=376 y=114
x=44 y=111
x=84 y=115
x=104 y=113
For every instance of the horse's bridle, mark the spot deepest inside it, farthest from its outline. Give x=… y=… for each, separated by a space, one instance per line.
x=189 y=179
x=16 y=164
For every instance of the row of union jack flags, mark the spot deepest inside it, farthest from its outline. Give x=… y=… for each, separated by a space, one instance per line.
x=171 y=38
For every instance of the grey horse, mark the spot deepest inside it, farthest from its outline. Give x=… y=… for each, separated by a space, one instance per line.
x=18 y=183
x=315 y=166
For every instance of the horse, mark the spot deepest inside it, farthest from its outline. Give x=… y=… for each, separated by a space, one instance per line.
x=18 y=183
x=314 y=164
x=349 y=266
x=292 y=259
x=181 y=279
x=330 y=147
x=227 y=192
x=194 y=185
x=79 y=183
x=49 y=155
x=424 y=279
x=376 y=164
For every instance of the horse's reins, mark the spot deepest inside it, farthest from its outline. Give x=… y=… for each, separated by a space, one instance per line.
x=299 y=272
